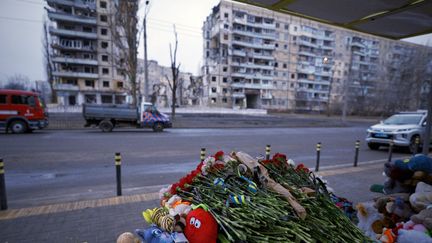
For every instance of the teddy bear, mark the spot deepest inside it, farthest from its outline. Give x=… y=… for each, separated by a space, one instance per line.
x=422 y=197
x=367 y=216
x=396 y=177
x=424 y=218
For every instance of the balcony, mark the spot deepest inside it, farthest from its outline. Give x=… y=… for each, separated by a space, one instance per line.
x=75 y=60
x=66 y=87
x=73 y=33
x=74 y=3
x=243 y=21
x=74 y=48
x=252 y=65
x=75 y=74
x=253 y=34
x=307 y=53
x=251 y=75
x=266 y=96
x=238 y=95
x=71 y=18
x=251 y=86
x=306 y=43
x=264 y=57
x=254 y=44
x=239 y=53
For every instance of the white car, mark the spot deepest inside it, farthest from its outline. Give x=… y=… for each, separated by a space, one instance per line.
x=402 y=128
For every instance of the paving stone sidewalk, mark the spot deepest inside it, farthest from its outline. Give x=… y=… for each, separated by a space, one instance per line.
x=102 y=220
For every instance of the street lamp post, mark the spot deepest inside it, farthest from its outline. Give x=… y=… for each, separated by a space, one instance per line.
x=146 y=81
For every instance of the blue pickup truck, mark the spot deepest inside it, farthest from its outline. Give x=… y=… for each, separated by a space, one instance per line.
x=107 y=117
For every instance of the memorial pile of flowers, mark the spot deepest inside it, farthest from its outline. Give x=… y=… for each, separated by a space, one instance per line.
x=237 y=198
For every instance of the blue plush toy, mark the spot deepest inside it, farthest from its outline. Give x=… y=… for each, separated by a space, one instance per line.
x=154 y=234
x=419 y=162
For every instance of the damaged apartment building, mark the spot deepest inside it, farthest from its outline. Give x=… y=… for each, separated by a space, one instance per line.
x=85 y=70
x=189 y=90
x=257 y=58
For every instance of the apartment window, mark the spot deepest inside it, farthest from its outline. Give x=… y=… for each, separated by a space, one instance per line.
x=225 y=80
x=87 y=29
x=213 y=78
x=276 y=45
x=285 y=46
x=226 y=15
x=286 y=26
x=276 y=64
x=213 y=100
x=104 y=44
x=106 y=99
x=224 y=69
x=105 y=58
x=105 y=84
x=277 y=25
x=284 y=65
x=104 y=31
x=294 y=38
x=105 y=71
x=295 y=28
x=120 y=99
x=224 y=100
x=103 y=4
x=90 y=83
x=225 y=37
x=119 y=84
x=90 y=99
x=2 y=99
x=292 y=75
x=226 y=26
x=72 y=100
x=213 y=89
x=103 y=18
x=72 y=82
x=224 y=90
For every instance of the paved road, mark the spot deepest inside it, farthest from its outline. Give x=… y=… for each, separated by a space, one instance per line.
x=60 y=165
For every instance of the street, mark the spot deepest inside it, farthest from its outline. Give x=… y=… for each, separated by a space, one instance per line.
x=54 y=166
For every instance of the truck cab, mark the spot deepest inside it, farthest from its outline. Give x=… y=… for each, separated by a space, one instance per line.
x=21 y=111
x=152 y=118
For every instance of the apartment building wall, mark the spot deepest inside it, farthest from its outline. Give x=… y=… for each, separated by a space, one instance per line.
x=83 y=53
x=308 y=66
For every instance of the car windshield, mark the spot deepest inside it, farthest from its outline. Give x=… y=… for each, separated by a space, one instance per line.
x=403 y=119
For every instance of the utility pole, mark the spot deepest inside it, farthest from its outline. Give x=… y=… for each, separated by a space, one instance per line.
x=426 y=140
x=146 y=81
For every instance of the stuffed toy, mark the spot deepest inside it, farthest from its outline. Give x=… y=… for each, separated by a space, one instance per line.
x=160 y=217
x=424 y=218
x=154 y=234
x=422 y=197
x=201 y=226
x=367 y=214
x=419 y=176
x=176 y=206
x=411 y=225
x=387 y=236
x=419 y=162
x=399 y=207
x=410 y=236
x=127 y=237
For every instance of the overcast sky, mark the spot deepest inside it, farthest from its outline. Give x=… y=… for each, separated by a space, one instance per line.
x=21 y=34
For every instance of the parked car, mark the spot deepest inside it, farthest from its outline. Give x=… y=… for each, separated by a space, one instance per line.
x=21 y=111
x=402 y=128
x=106 y=117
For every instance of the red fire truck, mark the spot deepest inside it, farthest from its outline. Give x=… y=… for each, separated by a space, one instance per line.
x=21 y=111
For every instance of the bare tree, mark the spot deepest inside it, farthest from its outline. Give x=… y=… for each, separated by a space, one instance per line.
x=47 y=61
x=125 y=36
x=17 y=82
x=175 y=69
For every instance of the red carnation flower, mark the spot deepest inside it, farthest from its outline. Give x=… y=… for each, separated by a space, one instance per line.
x=219 y=155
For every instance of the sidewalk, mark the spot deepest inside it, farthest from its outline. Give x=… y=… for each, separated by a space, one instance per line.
x=102 y=220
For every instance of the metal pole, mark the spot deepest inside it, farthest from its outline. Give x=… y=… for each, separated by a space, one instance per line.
x=3 y=199
x=203 y=154
x=267 y=151
x=426 y=140
x=118 y=173
x=390 y=151
x=357 y=147
x=318 y=149
x=146 y=81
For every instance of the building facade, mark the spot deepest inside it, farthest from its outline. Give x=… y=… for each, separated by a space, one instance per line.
x=85 y=70
x=189 y=91
x=257 y=58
